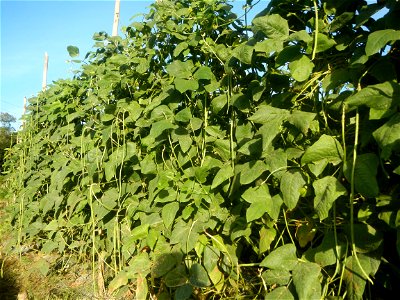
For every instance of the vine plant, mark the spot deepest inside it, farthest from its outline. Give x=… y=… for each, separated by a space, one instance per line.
x=198 y=156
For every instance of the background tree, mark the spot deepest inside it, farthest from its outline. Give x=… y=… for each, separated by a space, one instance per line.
x=6 y=133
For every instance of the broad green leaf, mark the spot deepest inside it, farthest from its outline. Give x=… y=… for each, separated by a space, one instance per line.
x=288 y=54
x=279 y=293
x=219 y=103
x=203 y=72
x=184 y=235
x=244 y=52
x=183 y=85
x=217 y=278
x=257 y=209
x=252 y=171
x=301 y=35
x=120 y=280
x=257 y=194
x=301 y=68
x=380 y=96
x=327 y=190
x=327 y=147
x=180 y=69
x=273 y=26
x=327 y=253
x=388 y=136
x=301 y=119
x=179 y=48
x=140 y=231
x=323 y=43
x=168 y=213
x=163 y=263
x=211 y=257
x=176 y=277
x=378 y=39
x=353 y=275
x=341 y=20
x=183 y=292
x=365 y=172
x=266 y=113
x=267 y=236
x=306 y=280
x=278 y=277
x=198 y=276
x=291 y=184
x=73 y=51
x=184 y=115
x=223 y=174
x=366 y=238
x=282 y=258
x=269 y=46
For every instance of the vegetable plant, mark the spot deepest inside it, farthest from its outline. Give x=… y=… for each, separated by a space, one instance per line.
x=204 y=156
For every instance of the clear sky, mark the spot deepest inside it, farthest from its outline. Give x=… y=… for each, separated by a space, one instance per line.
x=31 y=28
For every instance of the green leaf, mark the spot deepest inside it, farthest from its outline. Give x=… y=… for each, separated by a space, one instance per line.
x=327 y=147
x=244 y=52
x=328 y=252
x=184 y=115
x=282 y=258
x=327 y=190
x=306 y=280
x=291 y=184
x=323 y=43
x=301 y=68
x=180 y=69
x=365 y=172
x=204 y=72
x=388 y=136
x=183 y=292
x=379 y=96
x=163 y=263
x=260 y=202
x=353 y=275
x=198 y=276
x=179 y=48
x=341 y=20
x=279 y=293
x=378 y=39
x=183 y=85
x=266 y=114
x=273 y=26
x=176 y=277
x=278 y=277
x=73 y=51
x=185 y=235
x=301 y=119
x=366 y=238
x=168 y=213
x=219 y=103
x=223 y=174
x=269 y=46
x=252 y=171
x=267 y=236
x=120 y=280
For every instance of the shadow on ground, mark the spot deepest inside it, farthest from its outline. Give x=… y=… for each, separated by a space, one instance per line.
x=9 y=286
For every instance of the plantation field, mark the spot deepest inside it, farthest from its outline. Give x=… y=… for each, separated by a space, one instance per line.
x=207 y=156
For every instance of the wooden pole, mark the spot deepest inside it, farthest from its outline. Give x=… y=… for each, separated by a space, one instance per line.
x=45 y=67
x=116 y=18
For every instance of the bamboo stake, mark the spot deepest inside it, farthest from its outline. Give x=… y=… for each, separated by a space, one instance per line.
x=45 y=67
x=116 y=18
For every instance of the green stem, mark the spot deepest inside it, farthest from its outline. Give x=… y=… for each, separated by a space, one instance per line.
x=316 y=29
x=352 y=193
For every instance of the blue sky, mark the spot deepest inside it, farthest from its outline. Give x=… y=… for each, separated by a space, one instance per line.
x=31 y=28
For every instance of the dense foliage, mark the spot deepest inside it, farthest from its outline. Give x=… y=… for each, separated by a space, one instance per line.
x=202 y=156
